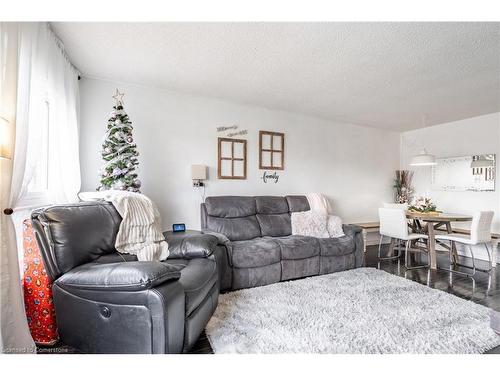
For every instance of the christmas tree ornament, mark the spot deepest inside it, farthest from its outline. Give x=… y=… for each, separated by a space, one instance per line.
x=119 y=152
x=119 y=99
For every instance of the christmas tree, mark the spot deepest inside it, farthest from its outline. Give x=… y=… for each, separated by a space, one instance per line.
x=119 y=152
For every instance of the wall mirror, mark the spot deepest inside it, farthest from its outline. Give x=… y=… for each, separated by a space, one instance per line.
x=271 y=150
x=232 y=159
x=465 y=173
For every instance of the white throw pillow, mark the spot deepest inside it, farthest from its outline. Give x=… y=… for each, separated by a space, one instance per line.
x=309 y=223
x=334 y=226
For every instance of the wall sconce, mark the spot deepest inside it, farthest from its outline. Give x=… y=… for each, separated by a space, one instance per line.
x=198 y=175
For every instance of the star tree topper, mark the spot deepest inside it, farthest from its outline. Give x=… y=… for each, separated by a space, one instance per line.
x=118 y=97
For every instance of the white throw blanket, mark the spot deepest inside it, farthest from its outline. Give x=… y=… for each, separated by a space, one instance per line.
x=319 y=221
x=318 y=202
x=140 y=230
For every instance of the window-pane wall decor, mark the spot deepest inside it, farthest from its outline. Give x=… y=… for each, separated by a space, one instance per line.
x=232 y=159
x=271 y=150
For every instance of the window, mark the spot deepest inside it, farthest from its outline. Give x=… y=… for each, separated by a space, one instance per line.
x=271 y=150
x=39 y=180
x=232 y=159
x=37 y=190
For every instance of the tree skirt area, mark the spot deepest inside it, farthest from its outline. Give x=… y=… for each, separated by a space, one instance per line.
x=364 y=310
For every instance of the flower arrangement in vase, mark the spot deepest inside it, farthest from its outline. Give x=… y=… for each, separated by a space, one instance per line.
x=423 y=205
x=403 y=191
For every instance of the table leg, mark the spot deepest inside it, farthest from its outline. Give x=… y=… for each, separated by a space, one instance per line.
x=363 y=232
x=453 y=245
x=495 y=248
x=432 y=246
x=390 y=253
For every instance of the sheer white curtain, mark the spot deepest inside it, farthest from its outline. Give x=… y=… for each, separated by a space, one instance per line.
x=35 y=66
x=14 y=336
x=47 y=86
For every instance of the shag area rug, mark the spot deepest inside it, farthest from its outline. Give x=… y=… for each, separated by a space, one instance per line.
x=364 y=310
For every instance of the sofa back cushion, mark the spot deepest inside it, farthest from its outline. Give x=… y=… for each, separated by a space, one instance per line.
x=244 y=218
x=297 y=203
x=273 y=216
x=232 y=216
x=267 y=205
x=75 y=234
x=230 y=206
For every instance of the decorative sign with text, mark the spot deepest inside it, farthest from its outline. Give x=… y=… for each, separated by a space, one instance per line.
x=224 y=128
x=233 y=134
x=270 y=177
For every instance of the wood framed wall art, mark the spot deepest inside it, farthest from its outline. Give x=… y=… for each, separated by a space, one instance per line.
x=232 y=159
x=271 y=150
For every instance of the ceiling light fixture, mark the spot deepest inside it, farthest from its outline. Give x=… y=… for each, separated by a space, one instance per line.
x=424 y=158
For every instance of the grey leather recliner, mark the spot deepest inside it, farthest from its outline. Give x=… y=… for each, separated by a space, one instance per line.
x=107 y=302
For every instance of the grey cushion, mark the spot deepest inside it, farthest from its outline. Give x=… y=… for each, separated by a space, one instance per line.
x=298 y=247
x=235 y=229
x=75 y=234
x=336 y=246
x=124 y=276
x=190 y=245
x=275 y=225
x=271 y=205
x=230 y=206
x=297 y=203
x=255 y=253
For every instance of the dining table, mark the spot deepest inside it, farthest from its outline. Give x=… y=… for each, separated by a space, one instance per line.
x=428 y=223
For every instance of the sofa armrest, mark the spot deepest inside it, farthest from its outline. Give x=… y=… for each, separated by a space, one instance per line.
x=126 y=276
x=189 y=246
x=223 y=241
x=351 y=229
x=356 y=232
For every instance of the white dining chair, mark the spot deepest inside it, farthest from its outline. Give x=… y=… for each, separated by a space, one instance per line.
x=402 y=206
x=393 y=224
x=480 y=234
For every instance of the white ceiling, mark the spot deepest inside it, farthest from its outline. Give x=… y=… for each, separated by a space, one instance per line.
x=385 y=75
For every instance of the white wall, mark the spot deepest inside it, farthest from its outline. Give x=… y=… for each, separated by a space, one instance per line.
x=477 y=135
x=352 y=165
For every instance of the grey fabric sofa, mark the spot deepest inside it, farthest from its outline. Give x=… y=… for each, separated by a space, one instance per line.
x=256 y=246
x=107 y=302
